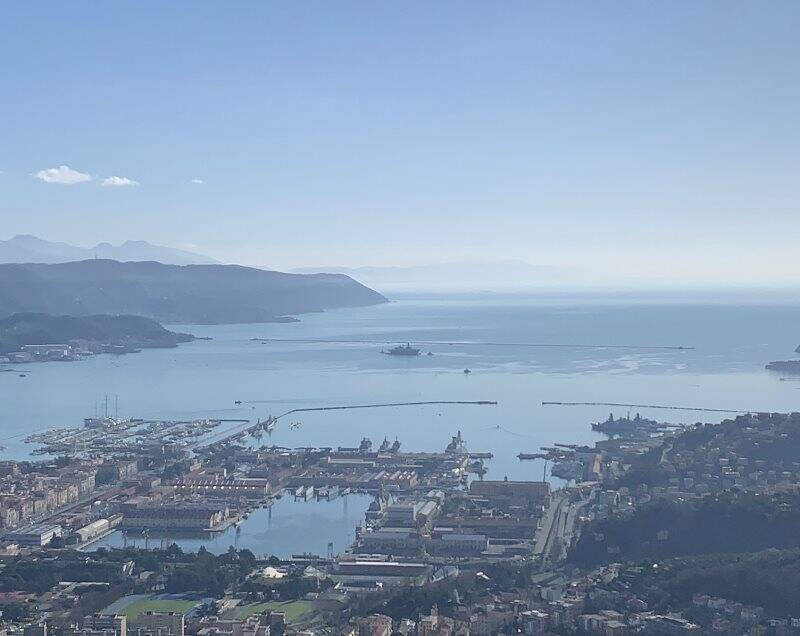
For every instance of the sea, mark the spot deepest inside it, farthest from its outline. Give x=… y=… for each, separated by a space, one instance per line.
x=521 y=351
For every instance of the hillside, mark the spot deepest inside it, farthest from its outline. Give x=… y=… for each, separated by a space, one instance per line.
x=125 y=331
x=189 y=294
x=25 y=248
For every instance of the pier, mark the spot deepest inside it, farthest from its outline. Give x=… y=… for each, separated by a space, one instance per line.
x=460 y=343
x=238 y=432
x=386 y=405
x=668 y=407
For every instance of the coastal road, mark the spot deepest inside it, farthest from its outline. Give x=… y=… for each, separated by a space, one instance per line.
x=550 y=522
x=558 y=526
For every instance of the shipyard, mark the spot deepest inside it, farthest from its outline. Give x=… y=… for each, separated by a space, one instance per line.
x=424 y=520
x=433 y=519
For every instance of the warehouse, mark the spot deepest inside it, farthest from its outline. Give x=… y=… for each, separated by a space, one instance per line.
x=35 y=536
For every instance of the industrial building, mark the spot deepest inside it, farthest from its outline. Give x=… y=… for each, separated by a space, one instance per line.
x=188 y=516
x=367 y=574
x=537 y=492
x=249 y=488
x=450 y=541
x=35 y=536
x=93 y=530
x=388 y=540
x=402 y=514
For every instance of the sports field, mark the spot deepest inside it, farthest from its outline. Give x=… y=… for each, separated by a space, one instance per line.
x=293 y=609
x=137 y=604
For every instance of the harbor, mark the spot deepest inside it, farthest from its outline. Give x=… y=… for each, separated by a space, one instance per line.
x=131 y=478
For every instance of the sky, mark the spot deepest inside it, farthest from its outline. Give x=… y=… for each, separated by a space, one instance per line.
x=627 y=141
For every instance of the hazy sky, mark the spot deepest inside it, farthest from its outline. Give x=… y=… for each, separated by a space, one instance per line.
x=647 y=139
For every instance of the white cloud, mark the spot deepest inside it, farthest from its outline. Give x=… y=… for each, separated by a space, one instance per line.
x=197 y=181
x=119 y=182
x=63 y=175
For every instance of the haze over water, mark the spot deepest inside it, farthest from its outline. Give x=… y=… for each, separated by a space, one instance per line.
x=205 y=378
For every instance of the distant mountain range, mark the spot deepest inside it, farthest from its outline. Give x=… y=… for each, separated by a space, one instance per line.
x=188 y=294
x=25 y=248
x=466 y=276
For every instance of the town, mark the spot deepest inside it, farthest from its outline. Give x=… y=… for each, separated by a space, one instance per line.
x=440 y=549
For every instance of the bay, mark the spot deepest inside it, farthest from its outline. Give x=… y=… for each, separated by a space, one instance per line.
x=205 y=378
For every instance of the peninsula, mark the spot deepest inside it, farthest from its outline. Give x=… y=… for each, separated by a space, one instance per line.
x=31 y=337
x=189 y=294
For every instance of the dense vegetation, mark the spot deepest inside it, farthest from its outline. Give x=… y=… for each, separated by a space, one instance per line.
x=197 y=294
x=25 y=574
x=127 y=331
x=199 y=571
x=772 y=437
x=184 y=571
x=733 y=522
x=769 y=579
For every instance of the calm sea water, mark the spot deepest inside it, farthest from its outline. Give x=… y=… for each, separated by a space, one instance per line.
x=287 y=527
x=205 y=378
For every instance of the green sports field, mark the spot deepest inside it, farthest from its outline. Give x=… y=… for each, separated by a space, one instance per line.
x=293 y=609
x=153 y=603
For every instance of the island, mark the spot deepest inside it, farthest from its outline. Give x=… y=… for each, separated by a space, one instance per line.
x=37 y=337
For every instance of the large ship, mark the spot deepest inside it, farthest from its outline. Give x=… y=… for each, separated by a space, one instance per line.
x=403 y=350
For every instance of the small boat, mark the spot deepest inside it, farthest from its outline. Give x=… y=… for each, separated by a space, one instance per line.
x=238 y=402
x=467 y=371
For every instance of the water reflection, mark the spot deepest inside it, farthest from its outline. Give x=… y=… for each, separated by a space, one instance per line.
x=287 y=527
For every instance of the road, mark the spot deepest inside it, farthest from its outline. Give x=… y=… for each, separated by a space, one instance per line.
x=52 y=515
x=550 y=522
x=558 y=526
